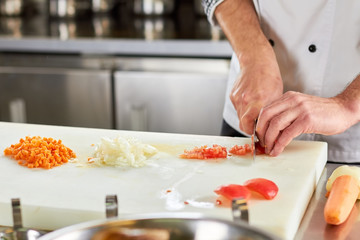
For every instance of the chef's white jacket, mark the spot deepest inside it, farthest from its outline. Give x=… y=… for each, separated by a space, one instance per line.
x=317 y=44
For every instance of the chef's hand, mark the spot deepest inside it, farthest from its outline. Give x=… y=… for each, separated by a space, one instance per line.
x=296 y=113
x=258 y=84
x=260 y=81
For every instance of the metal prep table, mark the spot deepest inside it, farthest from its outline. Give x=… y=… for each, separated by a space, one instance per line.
x=313 y=225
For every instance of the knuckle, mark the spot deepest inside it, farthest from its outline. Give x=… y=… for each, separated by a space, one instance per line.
x=276 y=123
x=297 y=99
x=239 y=98
x=307 y=118
x=265 y=113
x=290 y=94
x=232 y=96
x=303 y=105
x=232 y=99
x=245 y=98
x=293 y=93
x=306 y=112
x=294 y=97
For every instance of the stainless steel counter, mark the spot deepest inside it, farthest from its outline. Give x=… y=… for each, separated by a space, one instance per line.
x=160 y=36
x=313 y=225
x=179 y=48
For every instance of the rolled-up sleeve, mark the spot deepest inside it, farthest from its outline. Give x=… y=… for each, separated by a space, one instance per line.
x=209 y=8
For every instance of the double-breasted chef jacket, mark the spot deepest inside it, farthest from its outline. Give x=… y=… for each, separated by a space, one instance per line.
x=317 y=45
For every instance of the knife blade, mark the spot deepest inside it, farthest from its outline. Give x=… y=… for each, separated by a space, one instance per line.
x=254 y=140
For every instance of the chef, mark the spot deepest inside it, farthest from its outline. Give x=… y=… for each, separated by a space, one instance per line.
x=296 y=68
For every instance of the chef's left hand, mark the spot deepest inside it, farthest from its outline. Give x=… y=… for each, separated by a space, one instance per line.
x=296 y=113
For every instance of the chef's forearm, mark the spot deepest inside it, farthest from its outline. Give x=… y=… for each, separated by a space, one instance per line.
x=350 y=98
x=240 y=23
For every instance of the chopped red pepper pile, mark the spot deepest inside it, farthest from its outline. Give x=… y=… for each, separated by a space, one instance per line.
x=203 y=152
x=217 y=151
x=244 y=149
x=267 y=188
x=241 y=150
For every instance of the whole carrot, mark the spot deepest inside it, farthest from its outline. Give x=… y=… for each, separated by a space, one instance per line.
x=343 y=194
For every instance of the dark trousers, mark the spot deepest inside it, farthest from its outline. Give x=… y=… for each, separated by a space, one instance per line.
x=227 y=130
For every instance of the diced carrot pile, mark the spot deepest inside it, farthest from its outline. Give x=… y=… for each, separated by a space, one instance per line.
x=241 y=149
x=203 y=152
x=37 y=152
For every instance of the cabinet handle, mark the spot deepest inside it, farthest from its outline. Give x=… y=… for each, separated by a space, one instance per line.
x=138 y=118
x=17 y=110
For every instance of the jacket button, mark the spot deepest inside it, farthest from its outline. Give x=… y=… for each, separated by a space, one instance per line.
x=312 y=48
x=271 y=42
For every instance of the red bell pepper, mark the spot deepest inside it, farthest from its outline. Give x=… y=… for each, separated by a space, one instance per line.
x=232 y=191
x=263 y=186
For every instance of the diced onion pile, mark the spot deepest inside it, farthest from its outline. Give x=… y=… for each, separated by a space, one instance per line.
x=121 y=152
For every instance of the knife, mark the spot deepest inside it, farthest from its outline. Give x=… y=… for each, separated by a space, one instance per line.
x=254 y=140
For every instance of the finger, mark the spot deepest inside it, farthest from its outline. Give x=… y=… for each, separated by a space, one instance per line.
x=277 y=125
x=269 y=112
x=237 y=102
x=261 y=128
x=247 y=119
x=286 y=136
x=240 y=113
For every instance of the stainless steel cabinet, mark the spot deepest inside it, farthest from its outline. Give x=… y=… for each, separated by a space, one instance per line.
x=189 y=100
x=176 y=95
x=58 y=96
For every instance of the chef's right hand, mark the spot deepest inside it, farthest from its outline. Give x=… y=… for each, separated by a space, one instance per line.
x=258 y=84
x=260 y=81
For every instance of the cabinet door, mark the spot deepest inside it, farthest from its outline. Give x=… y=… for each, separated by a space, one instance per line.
x=52 y=96
x=170 y=101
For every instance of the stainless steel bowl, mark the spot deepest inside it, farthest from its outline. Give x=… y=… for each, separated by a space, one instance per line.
x=153 y=7
x=11 y=7
x=68 y=8
x=163 y=226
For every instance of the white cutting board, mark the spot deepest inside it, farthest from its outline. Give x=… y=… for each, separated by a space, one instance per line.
x=68 y=194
